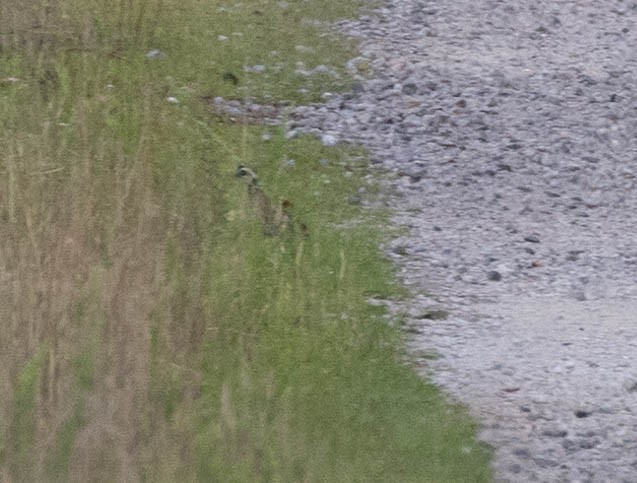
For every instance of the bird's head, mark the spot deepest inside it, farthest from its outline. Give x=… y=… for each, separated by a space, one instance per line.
x=246 y=174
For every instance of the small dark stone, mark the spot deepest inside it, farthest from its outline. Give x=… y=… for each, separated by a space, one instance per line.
x=529 y=250
x=461 y=103
x=532 y=239
x=410 y=89
x=568 y=444
x=415 y=177
x=545 y=462
x=230 y=77
x=526 y=210
x=631 y=387
x=581 y=413
x=434 y=315
x=613 y=98
x=431 y=85
x=580 y=296
x=400 y=250
x=494 y=276
x=587 y=80
x=555 y=433
x=521 y=453
x=357 y=88
x=588 y=443
x=437 y=228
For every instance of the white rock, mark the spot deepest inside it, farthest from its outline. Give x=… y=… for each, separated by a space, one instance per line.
x=257 y=69
x=155 y=54
x=292 y=134
x=328 y=140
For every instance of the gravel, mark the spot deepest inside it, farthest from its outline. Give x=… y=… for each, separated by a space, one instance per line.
x=509 y=132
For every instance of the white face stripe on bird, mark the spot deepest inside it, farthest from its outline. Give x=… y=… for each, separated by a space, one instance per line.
x=246 y=174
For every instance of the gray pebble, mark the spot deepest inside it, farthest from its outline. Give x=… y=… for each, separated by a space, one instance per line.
x=514 y=127
x=532 y=238
x=328 y=140
x=555 y=433
x=293 y=133
x=410 y=89
x=494 y=276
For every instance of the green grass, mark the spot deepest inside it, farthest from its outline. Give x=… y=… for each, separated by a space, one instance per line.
x=23 y=419
x=149 y=330
x=58 y=459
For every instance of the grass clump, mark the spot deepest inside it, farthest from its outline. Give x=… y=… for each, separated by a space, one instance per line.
x=150 y=331
x=23 y=420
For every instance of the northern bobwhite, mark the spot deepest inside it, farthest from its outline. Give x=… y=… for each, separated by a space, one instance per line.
x=274 y=219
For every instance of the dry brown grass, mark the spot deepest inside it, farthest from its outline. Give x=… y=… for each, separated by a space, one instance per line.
x=53 y=248
x=30 y=25
x=79 y=222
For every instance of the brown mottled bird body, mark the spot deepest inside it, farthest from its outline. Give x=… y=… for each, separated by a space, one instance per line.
x=274 y=219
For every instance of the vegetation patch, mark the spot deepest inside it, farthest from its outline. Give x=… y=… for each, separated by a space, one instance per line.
x=23 y=419
x=154 y=328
